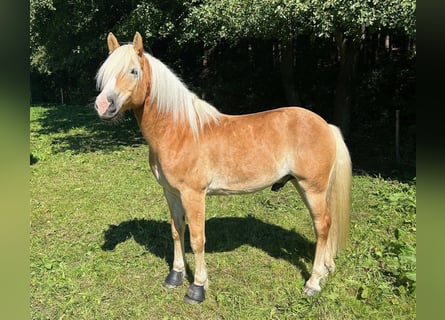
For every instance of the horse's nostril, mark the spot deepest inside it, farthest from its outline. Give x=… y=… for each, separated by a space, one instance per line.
x=111 y=108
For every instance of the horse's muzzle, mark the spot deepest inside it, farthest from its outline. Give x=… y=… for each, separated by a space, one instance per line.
x=110 y=113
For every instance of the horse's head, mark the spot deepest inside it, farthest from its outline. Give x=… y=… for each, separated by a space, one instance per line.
x=122 y=79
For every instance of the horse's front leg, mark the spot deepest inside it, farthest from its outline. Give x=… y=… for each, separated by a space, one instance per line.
x=177 y=273
x=194 y=206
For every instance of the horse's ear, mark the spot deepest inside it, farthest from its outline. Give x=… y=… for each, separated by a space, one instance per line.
x=113 y=44
x=137 y=43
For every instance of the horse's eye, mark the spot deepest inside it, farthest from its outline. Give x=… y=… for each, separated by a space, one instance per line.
x=134 y=71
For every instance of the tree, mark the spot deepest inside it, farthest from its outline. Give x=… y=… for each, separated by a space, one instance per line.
x=66 y=42
x=67 y=37
x=234 y=20
x=348 y=22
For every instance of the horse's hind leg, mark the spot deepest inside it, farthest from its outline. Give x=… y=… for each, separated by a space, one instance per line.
x=177 y=273
x=323 y=262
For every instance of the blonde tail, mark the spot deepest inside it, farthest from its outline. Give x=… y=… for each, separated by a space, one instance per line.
x=339 y=195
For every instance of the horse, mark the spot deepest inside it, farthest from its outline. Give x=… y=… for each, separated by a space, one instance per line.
x=196 y=150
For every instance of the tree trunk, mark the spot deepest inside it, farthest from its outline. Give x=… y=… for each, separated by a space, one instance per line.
x=287 y=72
x=348 y=52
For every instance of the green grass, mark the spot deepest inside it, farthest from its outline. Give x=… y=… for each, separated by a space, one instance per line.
x=101 y=244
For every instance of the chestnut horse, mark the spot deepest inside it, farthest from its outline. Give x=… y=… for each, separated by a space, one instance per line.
x=195 y=150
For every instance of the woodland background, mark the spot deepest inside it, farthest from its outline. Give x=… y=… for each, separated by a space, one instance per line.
x=352 y=62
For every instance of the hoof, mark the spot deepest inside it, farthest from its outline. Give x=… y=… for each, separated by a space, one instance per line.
x=310 y=291
x=195 y=294
x=173 y=280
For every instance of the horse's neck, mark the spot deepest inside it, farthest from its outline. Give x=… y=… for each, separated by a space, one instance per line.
x=159 y=129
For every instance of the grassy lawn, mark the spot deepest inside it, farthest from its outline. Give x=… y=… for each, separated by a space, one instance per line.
x=101 y=245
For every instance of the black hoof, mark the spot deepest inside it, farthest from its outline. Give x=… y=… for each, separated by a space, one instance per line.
x=173 y=280
x=195 y=294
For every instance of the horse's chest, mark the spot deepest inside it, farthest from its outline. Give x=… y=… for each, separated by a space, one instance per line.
x=170 y=178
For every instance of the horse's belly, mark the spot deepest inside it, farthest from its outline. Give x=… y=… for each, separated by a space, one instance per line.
x=233 y=190
x=239 y=184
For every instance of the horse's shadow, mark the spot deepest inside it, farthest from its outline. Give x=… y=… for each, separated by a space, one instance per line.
x=222 y=235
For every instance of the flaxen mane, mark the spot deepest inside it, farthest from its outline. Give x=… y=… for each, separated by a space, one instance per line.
x=167 y=91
